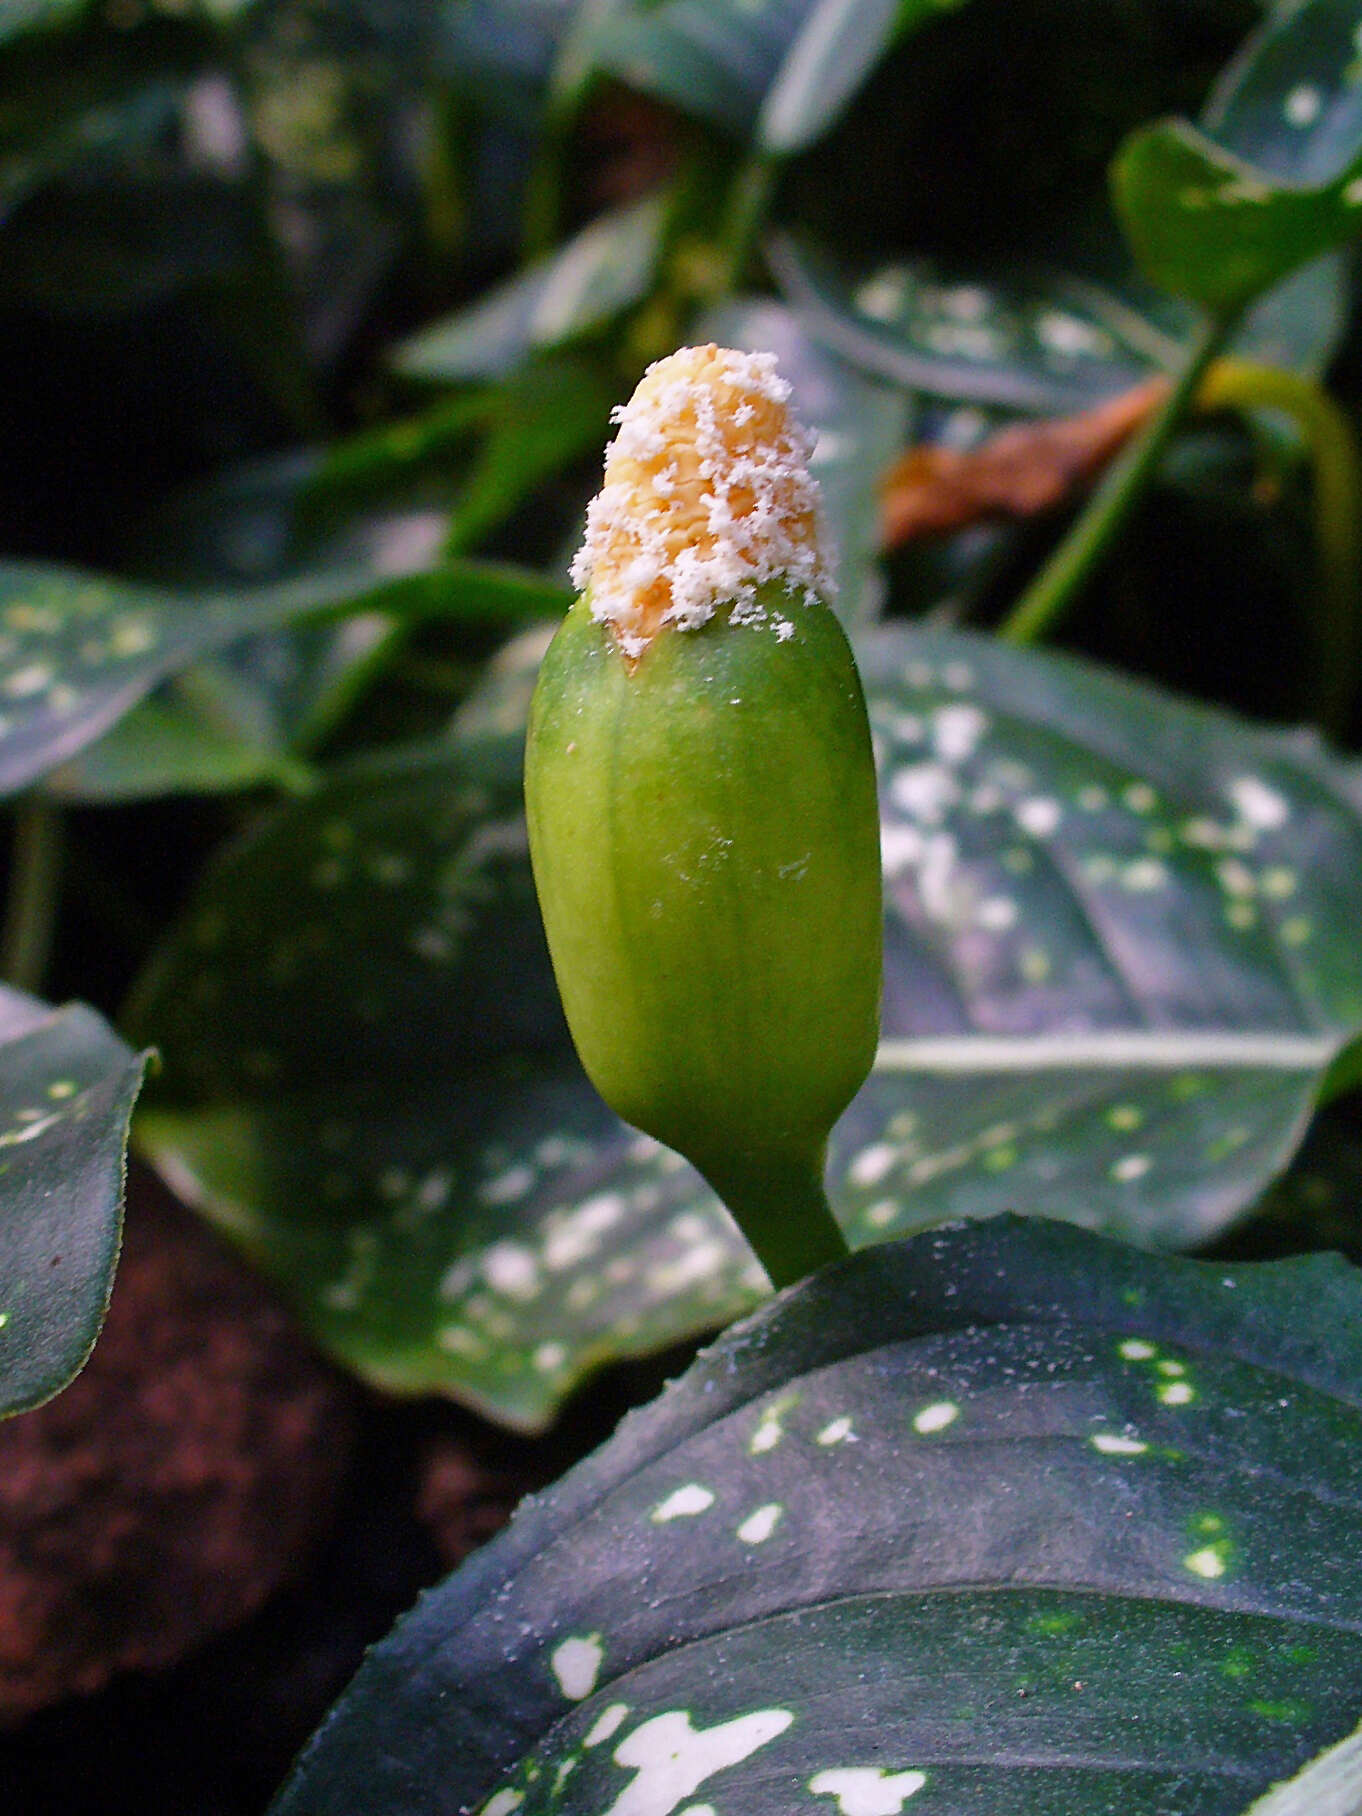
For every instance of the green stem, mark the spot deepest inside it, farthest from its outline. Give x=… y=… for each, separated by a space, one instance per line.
x=1238 y=385
x=1059 y=582
x=543 y=214
x=748 y=202
x=779 y=1203
x=30 y=915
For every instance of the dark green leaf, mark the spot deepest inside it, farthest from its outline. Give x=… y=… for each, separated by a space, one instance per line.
x=715 y=58
x=837 y=46
x=1005 y=1519
x=67 y=1086
x=1271 y=180
x=608 y=266
x=80 y=651
x=1117 y=973
x=1051 y=344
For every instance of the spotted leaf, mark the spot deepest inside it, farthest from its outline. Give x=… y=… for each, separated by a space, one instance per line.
x=1004 y=1519
x=1272 y=177
x=67 y=1086
x=1118 y=967
x=79 y=652
x=1117 y=976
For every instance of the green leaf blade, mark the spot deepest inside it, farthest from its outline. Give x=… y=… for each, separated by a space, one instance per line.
x=952 y=1510
x=67 y=1087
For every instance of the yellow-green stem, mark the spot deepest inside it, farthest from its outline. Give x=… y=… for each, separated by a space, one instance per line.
x=1068 y=570
x=781 y=1207
x=30 y=913
x=1233 y=384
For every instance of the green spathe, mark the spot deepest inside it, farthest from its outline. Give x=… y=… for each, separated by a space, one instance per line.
x=705 y=839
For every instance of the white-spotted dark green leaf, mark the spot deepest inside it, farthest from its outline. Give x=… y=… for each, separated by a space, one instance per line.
x=1005 y=1521
x=368 y=1083
x=1047 y=345
x=600 y=272
x=67 y=1086
x=1272 y=177
x=82 y=651
x=1117 y=973
x=1118 y=967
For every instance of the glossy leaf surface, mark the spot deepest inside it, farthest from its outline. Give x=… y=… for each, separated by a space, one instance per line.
x=82 y=651
x=1271 y=179
x=67 y=1086
x=1004 y=1519
x=1117 y=974
x=594 y=276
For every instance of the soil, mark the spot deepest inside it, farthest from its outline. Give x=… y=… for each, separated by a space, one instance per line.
x=199 y=1538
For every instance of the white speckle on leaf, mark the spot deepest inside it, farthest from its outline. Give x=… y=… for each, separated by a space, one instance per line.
x=837 y=1431
x=1258 y=805
x=1112 y=1444
x=1208 y=1563
x=925 y=792
x=606 y=1724
x=683 y=1504
x=1303 y=105
x=1133 y=1166
x=507 y=1187
x=510 y=1268
x=873 y=1164
x=1176 y=1393
x=758 y=1526
x=867 y=1790
x=1136 y=1349
x=671 y=1759
x=1039 y=815
x=956 y=731
x=936 y=1417
x=576 y=1663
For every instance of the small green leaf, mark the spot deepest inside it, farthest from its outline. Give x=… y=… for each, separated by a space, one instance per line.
x=67 y=1086
x=600 y=272
x=1272 y=179
x=935 y=1522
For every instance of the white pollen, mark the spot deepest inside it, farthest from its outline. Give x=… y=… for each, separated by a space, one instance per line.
x=1208 y=1563
x=1136 y=1349
x=1134 y=1166
x=501 y=1803
x=682 y=1504
x=1303 y=105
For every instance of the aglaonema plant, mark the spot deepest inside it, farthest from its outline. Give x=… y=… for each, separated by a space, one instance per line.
x=972 y=1523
